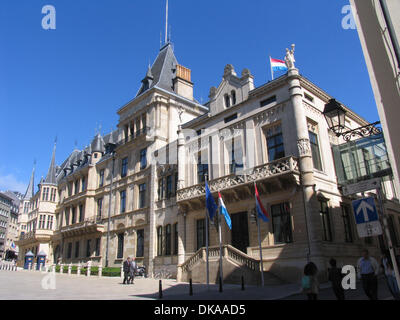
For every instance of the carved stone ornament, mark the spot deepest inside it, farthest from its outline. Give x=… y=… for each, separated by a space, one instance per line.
x=304 y=147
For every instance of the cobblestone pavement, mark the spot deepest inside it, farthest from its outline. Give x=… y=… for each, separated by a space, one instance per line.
x=34 y=285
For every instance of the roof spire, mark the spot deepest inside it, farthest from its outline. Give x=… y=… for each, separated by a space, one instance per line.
x=166 y=24
x=51 y=174
x=30 y=191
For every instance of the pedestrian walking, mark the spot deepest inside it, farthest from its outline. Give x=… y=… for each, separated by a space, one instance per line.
x=132 y=271
x=390 y=275
x=126 y=268
x=309 y=282
x=368 y=270
x=335 y=276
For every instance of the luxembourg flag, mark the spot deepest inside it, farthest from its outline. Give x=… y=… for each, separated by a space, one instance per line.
x=278 y=65
x=261 y=212
x=222 y=210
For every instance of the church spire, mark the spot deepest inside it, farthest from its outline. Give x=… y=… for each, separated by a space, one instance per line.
x=30 y=191
x=51 y=174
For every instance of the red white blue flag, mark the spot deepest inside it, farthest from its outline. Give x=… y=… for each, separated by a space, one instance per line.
x=261 y=212
x=278 y=65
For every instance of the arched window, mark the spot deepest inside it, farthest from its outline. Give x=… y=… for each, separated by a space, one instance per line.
x=227 y=101
x=233 y=93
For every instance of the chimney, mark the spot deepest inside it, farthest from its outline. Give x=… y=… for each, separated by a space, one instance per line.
x=182 y=82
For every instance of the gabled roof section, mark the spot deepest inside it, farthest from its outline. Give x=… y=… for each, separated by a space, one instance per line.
x=51 y=174
x=163 y=70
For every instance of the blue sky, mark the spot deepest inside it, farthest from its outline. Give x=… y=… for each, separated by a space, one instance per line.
x=69 y=81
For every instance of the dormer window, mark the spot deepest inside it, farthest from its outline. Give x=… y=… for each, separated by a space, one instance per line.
x=227 y=101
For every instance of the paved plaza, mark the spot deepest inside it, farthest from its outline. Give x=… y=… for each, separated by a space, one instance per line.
x=34 y=285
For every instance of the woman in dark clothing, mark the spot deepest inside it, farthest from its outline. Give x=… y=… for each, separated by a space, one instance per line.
x=310 y=283
x=335 y=276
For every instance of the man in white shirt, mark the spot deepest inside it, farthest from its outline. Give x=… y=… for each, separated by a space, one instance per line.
x=368 y=270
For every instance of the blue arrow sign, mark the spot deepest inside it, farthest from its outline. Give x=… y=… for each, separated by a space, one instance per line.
x=365 y=210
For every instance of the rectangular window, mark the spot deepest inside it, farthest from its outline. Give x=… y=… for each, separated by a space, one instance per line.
x=97 y=247
x=168 y=240
x=325 y=220
x=142 y=196
x=316 y=156
x=99 y=207
x=348 y=235
x=101 y=178
x=50 y=222
x=76 y=186
x=45 y=195
x=42 y=221
x=73 y=215
x=308 y=97
x=124 y=167
x=201 y=233
x=83 y=184
x=159 y=241
x=53 y=195
x=77 y=249
x=143 y=159
x=120 y=252
x=275 y=143
x=140 y=243
x=267 y=101
x=202 y=166
x=230 y=118
x=175 y=238
x=88 y=254
x=81 y=213
x=169 y=187
x=123 y=201
x=281 y=223
x=235 y=152
x=69 y=251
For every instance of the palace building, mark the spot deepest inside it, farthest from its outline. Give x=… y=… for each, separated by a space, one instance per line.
x=140 y=190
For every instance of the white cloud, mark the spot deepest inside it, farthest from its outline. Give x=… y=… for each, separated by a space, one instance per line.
x=9 y=182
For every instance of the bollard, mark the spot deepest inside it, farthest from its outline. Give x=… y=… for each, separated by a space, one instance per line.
x=61 y=268
x=69 y=268
x=54 y=268
x=242 y=283
x=78 y=272
x=122 y=271
x=29 y=266
x=190 y=287
x=88 y=271
x=220 y=284
x=160 y=295
x=100 y=271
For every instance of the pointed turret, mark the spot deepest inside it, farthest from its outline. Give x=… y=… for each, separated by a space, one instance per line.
x=30 y=191
x=51 y=173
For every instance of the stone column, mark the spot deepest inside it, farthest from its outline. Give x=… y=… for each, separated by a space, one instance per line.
x=305 y=159
x=181 y=159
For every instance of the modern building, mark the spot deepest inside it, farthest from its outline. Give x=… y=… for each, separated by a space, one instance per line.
x=5 y=212
x=11 y=250
x=378 y=26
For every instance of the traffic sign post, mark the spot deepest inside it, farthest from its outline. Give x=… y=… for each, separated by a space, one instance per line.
x=367 y=219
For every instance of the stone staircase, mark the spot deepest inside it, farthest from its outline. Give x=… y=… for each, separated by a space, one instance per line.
x=235 y=265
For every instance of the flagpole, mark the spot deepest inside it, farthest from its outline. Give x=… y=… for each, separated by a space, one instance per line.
x=207 y=262
x=259 y=243
x=261 y=256
x=272 y=70
x=220 y=248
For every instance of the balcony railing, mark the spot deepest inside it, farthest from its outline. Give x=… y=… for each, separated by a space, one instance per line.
x=138 y=133
x=89 y=222
x=271 y=169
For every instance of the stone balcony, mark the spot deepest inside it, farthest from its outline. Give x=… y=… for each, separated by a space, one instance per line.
x=37 y=235
x=89 y=225
x=279 y=174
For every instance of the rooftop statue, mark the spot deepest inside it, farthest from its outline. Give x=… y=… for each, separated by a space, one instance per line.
x=289 y=58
